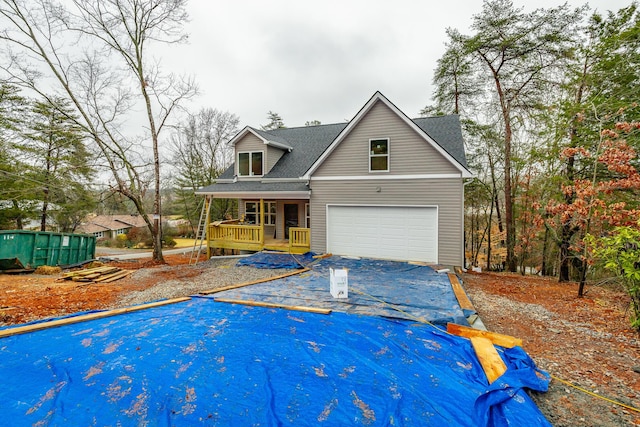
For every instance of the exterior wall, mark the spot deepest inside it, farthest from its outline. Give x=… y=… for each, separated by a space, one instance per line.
x=279 y=227
x=408 y=152
x=273 y=155
x=250 y=142
x=447 y=194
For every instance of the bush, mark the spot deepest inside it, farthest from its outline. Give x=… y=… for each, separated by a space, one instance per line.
x=168 y=241
x=619 y=253
x=121 y=241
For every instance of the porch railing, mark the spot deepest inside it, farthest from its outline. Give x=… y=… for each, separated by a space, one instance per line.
x=299 y=238
x=236 y=236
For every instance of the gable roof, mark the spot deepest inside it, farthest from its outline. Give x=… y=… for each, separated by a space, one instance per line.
x=446 y=128
x=309 y=146
x=111 y=222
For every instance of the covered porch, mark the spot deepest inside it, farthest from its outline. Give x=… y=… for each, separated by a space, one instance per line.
x=262 y=224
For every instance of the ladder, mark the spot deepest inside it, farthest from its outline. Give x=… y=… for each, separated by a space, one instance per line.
x=201 y=232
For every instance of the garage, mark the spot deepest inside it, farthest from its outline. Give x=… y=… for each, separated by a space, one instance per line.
x=405 y=233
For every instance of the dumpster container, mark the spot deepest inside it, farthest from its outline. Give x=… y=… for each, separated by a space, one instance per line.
x=31 y=249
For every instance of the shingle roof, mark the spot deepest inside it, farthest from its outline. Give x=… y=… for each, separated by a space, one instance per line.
x=309 y=142
x=249 y=186
x=447 y=133
x=111 y=222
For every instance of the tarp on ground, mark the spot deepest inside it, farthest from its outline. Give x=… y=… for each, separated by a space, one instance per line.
x=277 y=260
x=376 y=287
x=205 y=363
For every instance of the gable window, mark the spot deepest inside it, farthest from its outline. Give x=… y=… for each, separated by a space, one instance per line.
x=379 y=155
x=252 y=213
x=250 y=163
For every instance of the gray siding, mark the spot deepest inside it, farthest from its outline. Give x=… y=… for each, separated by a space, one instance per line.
x=250 y=142
x=273 y=155
x=444 y=193
x=409 y=153
x=278 y=230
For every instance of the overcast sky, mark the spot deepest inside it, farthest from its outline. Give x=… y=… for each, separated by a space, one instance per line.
x=320 y=60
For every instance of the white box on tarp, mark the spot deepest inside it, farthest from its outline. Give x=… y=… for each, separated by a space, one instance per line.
x=339 y=282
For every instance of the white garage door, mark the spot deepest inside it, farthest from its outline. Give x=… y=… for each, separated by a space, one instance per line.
x=388 y=232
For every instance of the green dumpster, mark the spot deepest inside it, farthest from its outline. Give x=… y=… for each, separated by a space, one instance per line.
x=21 y=249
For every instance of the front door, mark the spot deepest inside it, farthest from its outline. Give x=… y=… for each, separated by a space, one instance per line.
x=290 y=218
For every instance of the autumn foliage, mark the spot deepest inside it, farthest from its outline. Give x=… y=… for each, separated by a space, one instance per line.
x=604 y=200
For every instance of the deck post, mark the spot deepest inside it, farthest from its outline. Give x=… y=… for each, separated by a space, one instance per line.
x=207 y=200
x=262 y=221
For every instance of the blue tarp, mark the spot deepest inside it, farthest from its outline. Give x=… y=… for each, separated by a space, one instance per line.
x=206 y=363
x=277 y=260
x=376 y=287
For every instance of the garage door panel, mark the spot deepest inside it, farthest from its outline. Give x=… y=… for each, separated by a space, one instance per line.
x=391 y=232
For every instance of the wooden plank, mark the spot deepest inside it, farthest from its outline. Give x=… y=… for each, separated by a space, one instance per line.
x=254 y=282
x=89 y=271
x=461 y=295
x=117 y=276
x=497 y=339
x=271 y=305
x=491 y=362
x=92 y=316
x=107 y=277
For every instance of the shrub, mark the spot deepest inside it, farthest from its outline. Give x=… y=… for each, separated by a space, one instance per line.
x=619 y=253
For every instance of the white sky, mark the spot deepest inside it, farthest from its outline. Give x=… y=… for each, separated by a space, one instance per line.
x=320 y=60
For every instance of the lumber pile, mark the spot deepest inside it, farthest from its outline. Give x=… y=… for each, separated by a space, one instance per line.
x=104 y=274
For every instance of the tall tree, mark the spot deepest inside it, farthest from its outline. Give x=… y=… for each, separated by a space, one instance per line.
x=13 y=209
x=519 y=55
x=275 y=121
x=200 y=154
x=54 y=147
x=98 y=54
x=603 y=84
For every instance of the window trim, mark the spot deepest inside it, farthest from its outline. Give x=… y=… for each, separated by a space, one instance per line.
x=267 y=214
x=307 y=215
x=372 y=156
x=250 y=154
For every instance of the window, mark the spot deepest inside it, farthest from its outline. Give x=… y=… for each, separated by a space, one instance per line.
x=379 y=155
x=99 y=234
x=307 y=216
x=250 y=163
x=252 y=213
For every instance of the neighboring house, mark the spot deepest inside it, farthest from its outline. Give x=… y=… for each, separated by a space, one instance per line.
x=110 y=226
x=381 y=186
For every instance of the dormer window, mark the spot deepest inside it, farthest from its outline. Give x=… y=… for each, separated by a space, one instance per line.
x=250 y=163
x=379 y=155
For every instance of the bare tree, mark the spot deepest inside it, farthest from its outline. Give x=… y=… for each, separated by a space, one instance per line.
x=97 y=54
x=200 y=154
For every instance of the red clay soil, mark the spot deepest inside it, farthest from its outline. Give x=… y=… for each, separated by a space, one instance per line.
x=28 y=297
x=587 y=341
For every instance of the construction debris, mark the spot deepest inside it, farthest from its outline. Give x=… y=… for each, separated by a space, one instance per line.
x=104 y=274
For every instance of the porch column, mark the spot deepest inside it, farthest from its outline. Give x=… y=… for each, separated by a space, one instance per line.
x=207 y=220
x=262 y=221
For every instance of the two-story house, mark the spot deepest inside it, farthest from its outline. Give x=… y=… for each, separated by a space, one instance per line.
x=380 y=186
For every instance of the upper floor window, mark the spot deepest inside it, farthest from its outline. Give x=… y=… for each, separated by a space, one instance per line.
x=379 y=155
x=250 y=163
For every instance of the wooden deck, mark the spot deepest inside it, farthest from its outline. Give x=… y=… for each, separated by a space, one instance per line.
x=252 y=238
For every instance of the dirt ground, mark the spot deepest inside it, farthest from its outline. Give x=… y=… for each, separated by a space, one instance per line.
x=585 y=341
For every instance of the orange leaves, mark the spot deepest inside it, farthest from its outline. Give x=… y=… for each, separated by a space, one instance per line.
x=573 y=151
x=594 y=202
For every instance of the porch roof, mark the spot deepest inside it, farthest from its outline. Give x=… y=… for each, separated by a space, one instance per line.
x=258 y=189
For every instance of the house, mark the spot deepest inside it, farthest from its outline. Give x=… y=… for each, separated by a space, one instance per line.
x=380 y=186
x=110 y=226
